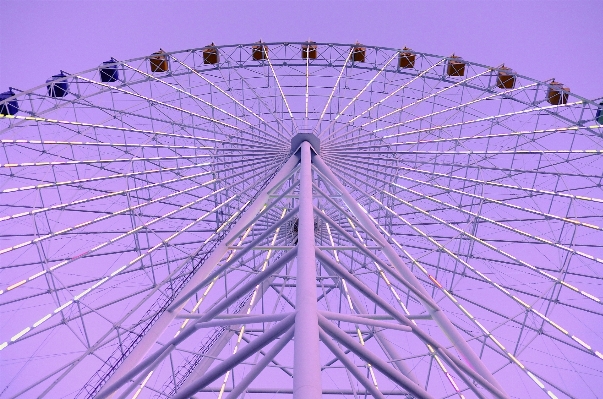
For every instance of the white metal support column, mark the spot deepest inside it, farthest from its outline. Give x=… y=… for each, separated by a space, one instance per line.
x=437 y=315
x=151 y=337
x=306 y=362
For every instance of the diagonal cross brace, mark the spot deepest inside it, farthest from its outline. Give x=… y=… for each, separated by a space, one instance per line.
x=144 y=365
x=239 y=254
x=257 y=369
x=438 y=316
x=277 y=330
x=347 y=362
x=373 y=359
x=147 y=342
x=449 y=357
x=424 y=297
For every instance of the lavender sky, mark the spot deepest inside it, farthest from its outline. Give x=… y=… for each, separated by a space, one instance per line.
x=540 y=39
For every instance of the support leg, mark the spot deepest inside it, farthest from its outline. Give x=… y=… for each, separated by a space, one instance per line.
x=306 y=362
x=438 y=316
x=257 y=369
x=150 y=338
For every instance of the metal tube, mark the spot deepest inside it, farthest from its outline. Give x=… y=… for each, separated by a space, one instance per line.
x=257 y=369
x=390 y=350
x=477 y=272
x=358 y=305
x=229 y=319
x=185 y=296
x=201 y=368
x=343 y=273
x=218 y=253
x=438 y=316
x=463 y=376
x=142 y=376
x=289 y=391
x=144 y=365
x=248 y=286
x=373 y=359
x=426 y=299
x=263 y=340
x=364 y=320
x=306 y=360
x=276 y=200
x=339 y=354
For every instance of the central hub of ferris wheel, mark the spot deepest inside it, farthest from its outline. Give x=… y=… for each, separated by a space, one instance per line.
x=298 y=139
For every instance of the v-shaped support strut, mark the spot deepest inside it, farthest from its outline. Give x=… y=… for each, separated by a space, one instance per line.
x=306 y=364
x=307 y=324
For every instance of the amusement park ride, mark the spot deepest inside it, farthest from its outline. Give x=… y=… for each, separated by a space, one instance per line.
x=300 y=220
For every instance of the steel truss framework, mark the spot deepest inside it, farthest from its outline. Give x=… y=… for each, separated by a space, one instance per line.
x=300 y=227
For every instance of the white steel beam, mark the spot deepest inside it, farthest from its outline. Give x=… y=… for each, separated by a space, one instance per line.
x=186 y=294
x=201 y=368
x=145 y=365
x=438 y=316
x=257 y=369
x=306 y=361
x=211 y=355
x=373 y=359
x=349 y=364
x=388 y=347
x=277 y=330
x=426 y=338
x=511 y=257
x=212 y=261
x=363 y=320
x=235 y=320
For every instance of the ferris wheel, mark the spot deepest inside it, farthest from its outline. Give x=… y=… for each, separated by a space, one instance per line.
x=300 y=220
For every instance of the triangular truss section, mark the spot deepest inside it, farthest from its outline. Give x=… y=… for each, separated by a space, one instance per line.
x=305 y=291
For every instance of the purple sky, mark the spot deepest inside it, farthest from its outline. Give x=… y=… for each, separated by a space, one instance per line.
x=540 y=39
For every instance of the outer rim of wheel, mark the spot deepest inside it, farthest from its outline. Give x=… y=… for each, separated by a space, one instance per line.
x=196 y=49
x=286 y=44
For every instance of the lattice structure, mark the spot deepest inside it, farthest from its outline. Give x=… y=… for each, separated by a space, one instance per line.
x=300 y=220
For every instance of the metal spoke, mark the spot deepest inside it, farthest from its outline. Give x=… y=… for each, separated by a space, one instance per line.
x=259 y=219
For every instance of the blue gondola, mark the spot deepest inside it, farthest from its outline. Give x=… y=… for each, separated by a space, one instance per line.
x=109 y=73
x=57 y=89
x=599 y=117
x=11 y=107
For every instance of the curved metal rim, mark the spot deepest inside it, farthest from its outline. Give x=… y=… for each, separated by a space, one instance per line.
x=103 y=65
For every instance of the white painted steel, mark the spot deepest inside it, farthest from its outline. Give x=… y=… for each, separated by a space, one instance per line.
x=277 y=330
x=257 y=369
x=306 y=361
x=166 y=318
x=447 y=327
x=352 y=368
x=153 y=229
x=364 y=320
